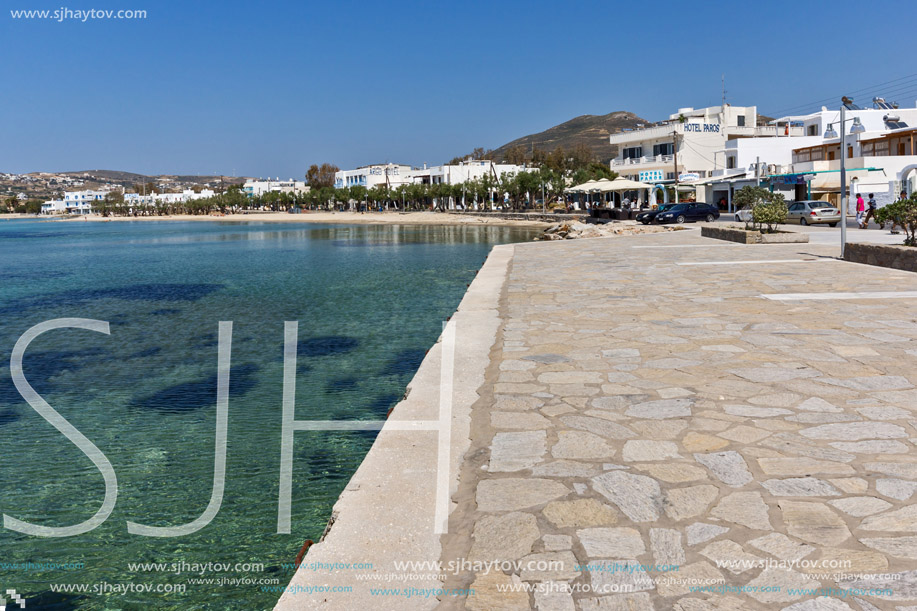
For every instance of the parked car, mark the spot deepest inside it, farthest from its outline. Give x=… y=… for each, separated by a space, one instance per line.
x=681 y=213
x=650 y=215
x=743 y=215
x=813 y=213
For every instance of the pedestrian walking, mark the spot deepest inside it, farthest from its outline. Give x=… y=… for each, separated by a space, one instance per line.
x=861 y=206
x=872 y=207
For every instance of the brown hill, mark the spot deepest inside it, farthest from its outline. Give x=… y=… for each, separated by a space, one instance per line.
x=589 y=130
x=127 y=178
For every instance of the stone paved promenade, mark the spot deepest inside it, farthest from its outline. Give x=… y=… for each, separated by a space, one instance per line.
x=645 y=411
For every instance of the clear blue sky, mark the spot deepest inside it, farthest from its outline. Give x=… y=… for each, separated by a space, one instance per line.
x=266 y=88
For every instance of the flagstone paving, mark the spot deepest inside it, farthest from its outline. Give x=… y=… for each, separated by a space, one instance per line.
x=641 y=417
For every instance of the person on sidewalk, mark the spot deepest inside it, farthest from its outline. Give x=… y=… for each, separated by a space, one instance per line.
x=871 y=212
x=861 y=206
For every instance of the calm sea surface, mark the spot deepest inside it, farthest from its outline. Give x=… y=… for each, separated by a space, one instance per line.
x=370 y=300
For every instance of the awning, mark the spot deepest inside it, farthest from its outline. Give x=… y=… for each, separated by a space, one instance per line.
x=827 y=181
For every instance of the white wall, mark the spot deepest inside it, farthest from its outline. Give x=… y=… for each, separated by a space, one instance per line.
x=777 y=150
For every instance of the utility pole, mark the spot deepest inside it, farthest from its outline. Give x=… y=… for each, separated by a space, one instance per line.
x=675 y=159
x=757 y=171
x=844 y=202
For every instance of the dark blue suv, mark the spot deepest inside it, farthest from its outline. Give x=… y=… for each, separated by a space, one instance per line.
x=683 y=213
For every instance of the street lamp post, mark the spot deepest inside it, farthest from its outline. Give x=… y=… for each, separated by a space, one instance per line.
x=856 y=128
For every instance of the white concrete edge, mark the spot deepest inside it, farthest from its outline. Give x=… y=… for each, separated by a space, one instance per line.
x=386 y=512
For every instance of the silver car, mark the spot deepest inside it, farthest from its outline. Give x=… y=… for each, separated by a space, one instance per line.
x=813 y=213
x=743 y=215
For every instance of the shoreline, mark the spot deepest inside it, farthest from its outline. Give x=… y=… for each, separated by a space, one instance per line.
x=343 y=218
x=386 y=513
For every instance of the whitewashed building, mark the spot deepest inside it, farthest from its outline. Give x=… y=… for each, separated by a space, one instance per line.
x=54 y=206
x=691 y=141
x=392 y=175
x=73 y=198
x=74 y=202
x=185 y=196
x=257 y=188
x=881 y=159
x=456 y=174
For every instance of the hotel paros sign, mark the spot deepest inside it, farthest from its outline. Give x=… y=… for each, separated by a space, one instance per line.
x=712 y=128
x=650 y=176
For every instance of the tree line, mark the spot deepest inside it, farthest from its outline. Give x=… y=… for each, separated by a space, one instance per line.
x=547 y=176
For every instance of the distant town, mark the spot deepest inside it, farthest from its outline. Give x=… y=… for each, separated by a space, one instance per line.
x=703 y=155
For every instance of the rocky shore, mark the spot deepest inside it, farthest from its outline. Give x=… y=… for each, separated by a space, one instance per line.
x=576 y=230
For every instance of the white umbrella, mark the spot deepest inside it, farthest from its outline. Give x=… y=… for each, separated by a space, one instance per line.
x=625 y=184
x=587 y=186
x=604 y=185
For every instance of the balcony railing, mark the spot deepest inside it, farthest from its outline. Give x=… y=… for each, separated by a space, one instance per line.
x=644 y=134
x=654 y=159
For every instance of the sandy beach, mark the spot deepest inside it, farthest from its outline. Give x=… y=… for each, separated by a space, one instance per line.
x=370 y=218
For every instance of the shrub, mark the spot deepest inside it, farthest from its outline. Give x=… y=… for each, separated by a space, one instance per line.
x=903 y=212
x=767 y=209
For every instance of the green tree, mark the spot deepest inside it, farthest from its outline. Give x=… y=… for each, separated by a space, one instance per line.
x=539 y=156
x=580 y=157
x=767 y=209
x=148 y=188
x=319 y=176
x=529 y=183
x=557 y=160
x=904 y=213
x=515 y=154
x=380 y=193
x=359 y=193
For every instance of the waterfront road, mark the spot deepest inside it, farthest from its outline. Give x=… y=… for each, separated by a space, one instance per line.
x=675 y=422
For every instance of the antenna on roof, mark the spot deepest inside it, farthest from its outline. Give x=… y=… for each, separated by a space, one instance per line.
x=724 y=90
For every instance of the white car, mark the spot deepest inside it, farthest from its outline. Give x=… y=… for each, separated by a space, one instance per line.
x=743 y=215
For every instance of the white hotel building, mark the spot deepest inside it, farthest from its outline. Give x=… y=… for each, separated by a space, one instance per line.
x=392 y=175
x=697 y=138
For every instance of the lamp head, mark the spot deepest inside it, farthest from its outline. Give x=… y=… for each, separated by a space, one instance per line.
x=857 y=127
x=830 y=133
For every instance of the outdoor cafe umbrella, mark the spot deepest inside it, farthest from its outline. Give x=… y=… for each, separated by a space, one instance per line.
x=586 y=188
x=625 y=184
x=604 y=185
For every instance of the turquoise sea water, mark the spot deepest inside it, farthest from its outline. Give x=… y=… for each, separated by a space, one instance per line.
x=370 y=300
